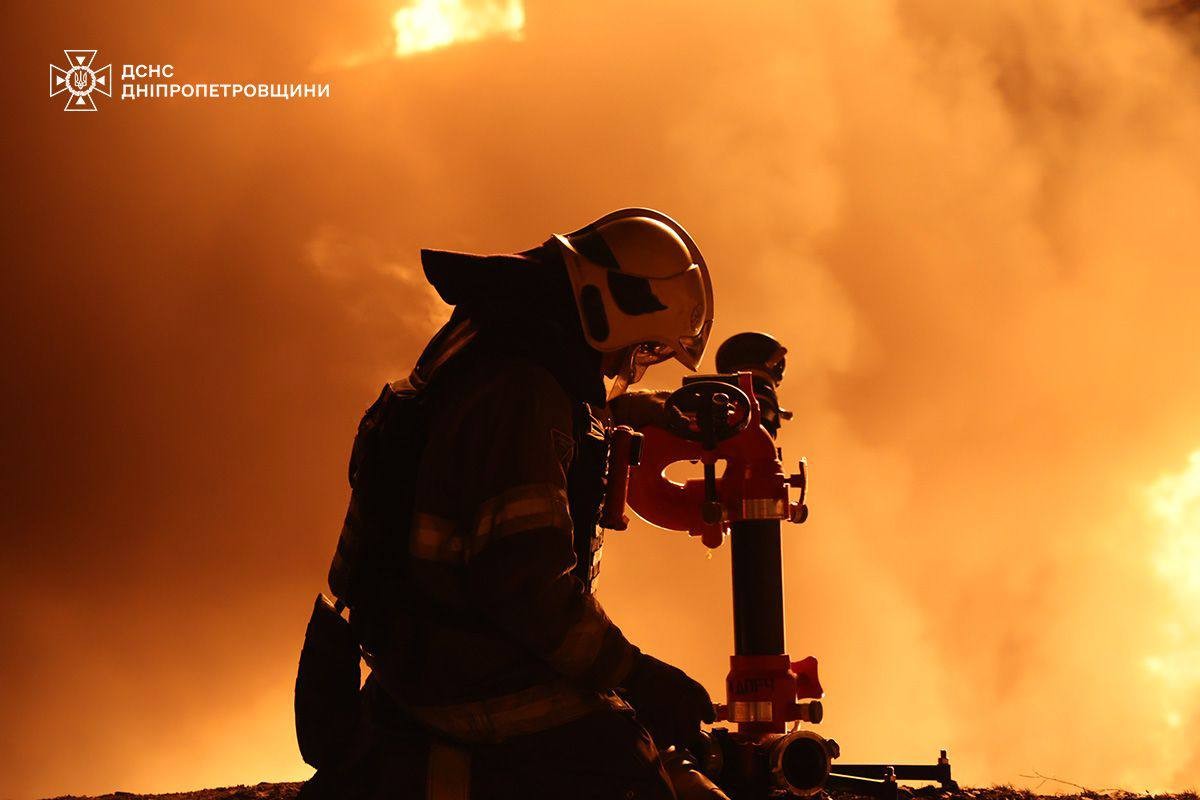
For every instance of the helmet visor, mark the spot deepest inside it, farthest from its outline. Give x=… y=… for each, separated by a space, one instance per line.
x=640 y=358
x=691 y=348
x=646 y=355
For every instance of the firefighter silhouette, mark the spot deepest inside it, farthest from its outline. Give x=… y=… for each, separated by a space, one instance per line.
x=471 y=549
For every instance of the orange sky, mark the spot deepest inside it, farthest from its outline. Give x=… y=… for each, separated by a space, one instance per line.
x=973 y=224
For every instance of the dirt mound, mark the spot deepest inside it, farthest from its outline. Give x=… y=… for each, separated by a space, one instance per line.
x=261 y=791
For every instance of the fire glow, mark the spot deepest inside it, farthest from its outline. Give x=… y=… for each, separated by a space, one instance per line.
x=1175 y=503
x=973 y=224
x=431 y=24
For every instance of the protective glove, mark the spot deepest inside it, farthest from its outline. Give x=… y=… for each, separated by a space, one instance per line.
x=639 y=409
x=669 y=704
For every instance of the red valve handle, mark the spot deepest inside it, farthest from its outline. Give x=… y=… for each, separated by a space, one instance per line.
x=752 y=487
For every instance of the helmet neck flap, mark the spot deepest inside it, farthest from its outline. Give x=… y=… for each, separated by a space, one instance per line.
x=515 y=304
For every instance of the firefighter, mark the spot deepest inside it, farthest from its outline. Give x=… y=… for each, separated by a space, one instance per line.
x=470 y=551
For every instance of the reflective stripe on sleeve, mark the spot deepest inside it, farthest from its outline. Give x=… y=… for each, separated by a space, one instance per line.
x=524 y=712
x=582 y=643
x=522 y=508
x=434 y=538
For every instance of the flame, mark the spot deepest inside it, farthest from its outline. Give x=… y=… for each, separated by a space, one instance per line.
x=1175 y=504
x=429 y=24
x=1175 y=501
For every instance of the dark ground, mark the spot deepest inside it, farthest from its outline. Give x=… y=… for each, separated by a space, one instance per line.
x=262 y=791
x=287 y=791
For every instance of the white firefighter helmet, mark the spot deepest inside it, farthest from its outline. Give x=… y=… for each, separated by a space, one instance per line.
x=640 y=282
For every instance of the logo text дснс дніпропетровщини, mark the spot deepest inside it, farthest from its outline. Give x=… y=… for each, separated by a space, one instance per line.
x=80 y=80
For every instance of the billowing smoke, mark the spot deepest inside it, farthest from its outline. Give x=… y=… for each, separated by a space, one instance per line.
x=973 y=224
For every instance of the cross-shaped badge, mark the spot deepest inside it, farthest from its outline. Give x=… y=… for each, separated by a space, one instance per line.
x=80 y=80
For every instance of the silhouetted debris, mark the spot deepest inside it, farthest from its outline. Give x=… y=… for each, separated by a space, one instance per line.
x=1013 y=793
x=261 y=791
x=287 y=791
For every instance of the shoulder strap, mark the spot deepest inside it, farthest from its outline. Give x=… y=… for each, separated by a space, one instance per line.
x=585 y=491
